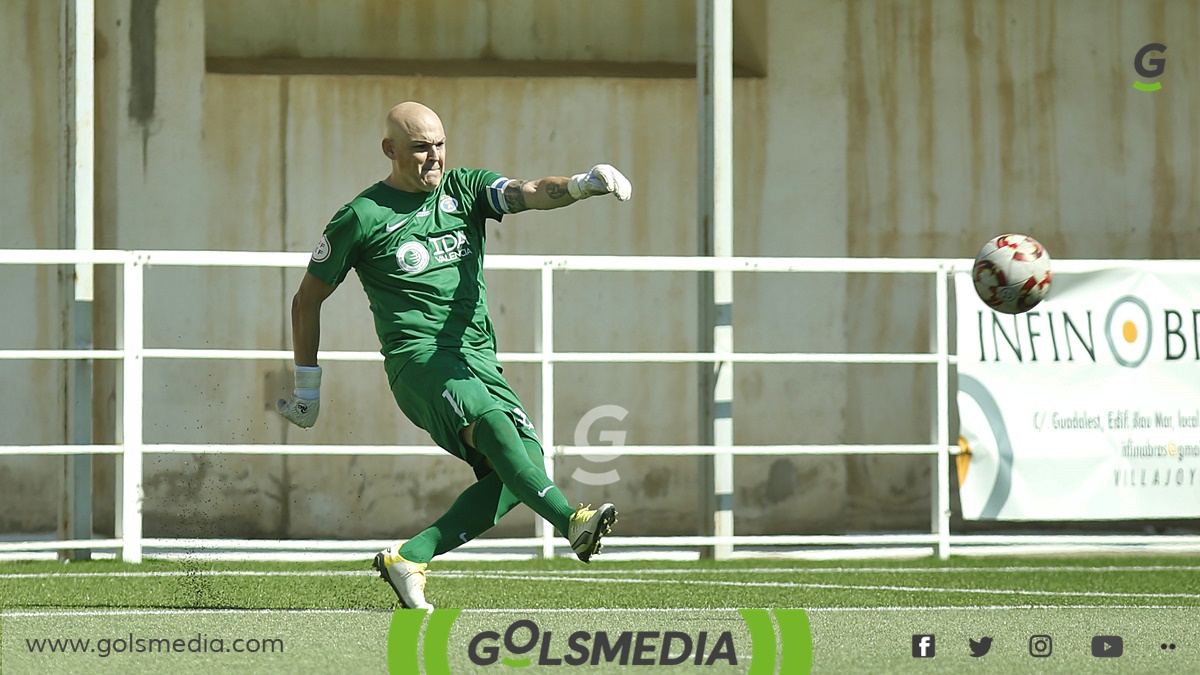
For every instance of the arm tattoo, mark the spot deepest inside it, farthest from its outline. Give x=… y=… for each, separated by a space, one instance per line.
x=555 y=190
x=514 y=196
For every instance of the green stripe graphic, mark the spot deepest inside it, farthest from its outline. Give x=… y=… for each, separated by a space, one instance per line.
x=403 y=636
x=796 y=637
x=762 y=641
x=1142 y=86
x=437 y=641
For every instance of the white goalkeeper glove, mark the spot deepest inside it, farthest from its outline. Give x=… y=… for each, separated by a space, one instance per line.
x=302 y=407
x=601 y=180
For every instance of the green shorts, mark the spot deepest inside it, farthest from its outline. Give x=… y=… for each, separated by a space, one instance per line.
x=443 y=391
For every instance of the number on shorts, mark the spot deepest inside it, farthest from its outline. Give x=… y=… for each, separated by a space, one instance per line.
x=522 y=418
x=453 y=404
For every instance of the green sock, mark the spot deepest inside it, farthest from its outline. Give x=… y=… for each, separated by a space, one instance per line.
x=479 y=508
x=497 y=439
x=476 y=510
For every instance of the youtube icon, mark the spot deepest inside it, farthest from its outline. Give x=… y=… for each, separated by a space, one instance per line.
x=1108 y=646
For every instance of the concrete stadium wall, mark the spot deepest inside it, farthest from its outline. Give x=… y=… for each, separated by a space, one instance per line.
x=33 y=398
x=866 y=129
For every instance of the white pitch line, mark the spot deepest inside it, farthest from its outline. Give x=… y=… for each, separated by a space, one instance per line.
x=794 y=584
x=490 y=610
x=990 y=591
x=939 y=608
x=554 y=573
x=973 y=608
x=561 y=610
x=136 y=612
x=593 y=579
x=873 y=570
x=190 y=573
x=564 y=610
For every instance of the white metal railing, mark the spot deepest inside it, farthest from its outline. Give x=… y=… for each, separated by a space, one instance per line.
x=133 y=354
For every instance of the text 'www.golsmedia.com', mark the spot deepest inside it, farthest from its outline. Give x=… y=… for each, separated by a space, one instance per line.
x=131 y=644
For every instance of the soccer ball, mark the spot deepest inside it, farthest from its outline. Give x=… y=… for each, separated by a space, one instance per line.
x=1012 y=273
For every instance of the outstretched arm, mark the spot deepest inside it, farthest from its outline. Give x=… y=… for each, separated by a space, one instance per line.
x=303 y=406
x=553 y=192
x=538 y=195
x=306 y=319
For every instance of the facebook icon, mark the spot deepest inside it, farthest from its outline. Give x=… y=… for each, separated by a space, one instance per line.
x=923 y=646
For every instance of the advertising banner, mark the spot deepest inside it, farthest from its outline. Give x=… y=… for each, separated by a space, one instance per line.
x=1086 y=407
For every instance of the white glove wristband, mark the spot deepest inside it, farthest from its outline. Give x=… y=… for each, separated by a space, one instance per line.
x=308 y=381
x=603 y=179
x=575 y=187
x=303 y=406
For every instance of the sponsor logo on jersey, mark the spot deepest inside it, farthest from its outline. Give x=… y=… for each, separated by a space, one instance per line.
x=453 y=246
x=412 y=256
x=321 y=252
x=448 y=204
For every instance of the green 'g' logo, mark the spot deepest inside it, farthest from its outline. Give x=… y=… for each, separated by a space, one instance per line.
x=1149 y=68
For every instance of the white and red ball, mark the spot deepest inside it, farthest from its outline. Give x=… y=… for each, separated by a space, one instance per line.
x=1012 y=273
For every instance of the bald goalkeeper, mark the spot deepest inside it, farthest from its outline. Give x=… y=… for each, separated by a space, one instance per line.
x=416 y=240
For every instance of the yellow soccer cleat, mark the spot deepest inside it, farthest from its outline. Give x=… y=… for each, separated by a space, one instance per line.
x=406 y=578
x=586 y=528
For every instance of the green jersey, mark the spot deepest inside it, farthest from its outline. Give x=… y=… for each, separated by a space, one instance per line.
x=420 y=259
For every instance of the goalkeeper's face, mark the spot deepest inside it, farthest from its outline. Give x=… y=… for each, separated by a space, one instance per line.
x=416 y=144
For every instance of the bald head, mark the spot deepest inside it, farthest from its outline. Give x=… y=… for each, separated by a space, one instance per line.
x=405 y=118
x=416 y=144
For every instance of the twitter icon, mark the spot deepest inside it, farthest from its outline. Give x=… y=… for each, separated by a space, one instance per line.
x=981 y=647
